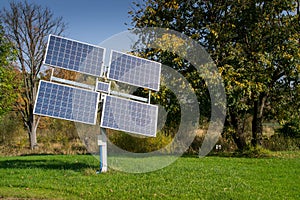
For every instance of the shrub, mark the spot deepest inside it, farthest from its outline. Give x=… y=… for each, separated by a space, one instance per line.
x=290 y=129
x=11 y=129
x=280 y=143
x=139 y=144
x=254 y=152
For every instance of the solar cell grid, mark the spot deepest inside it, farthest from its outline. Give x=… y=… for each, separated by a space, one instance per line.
x=102 y=87
x=129 y=116
x=134 y=70
x=66 y=102
x=75 y=56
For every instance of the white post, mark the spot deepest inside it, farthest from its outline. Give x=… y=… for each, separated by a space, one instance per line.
x=149 y=97
x=102 y=143
x=52 y=73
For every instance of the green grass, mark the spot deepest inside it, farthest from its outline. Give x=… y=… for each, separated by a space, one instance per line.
x=73 y=177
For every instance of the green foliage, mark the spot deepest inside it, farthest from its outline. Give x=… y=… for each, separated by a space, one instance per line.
x=290 y=129
x=8 y=94
x=278 y=142
x=11 y=130
x=8 y=81
x=6 y=50
x=254 y=152
x=72 y=177
x=255 y=45
x=138 y=144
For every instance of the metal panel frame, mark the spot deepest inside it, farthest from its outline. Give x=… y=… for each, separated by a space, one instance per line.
x=109 y=67
x=84 y=43
x=96 y=110
x=120 y=94
x=120 y=129
x=81 y=85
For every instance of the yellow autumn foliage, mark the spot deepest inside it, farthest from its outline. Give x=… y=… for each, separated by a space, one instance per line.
x=169 y=42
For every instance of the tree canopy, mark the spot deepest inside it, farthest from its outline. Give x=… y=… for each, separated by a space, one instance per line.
x=255 y=45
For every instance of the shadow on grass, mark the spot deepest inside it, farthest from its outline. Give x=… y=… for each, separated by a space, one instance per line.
x=47 y=163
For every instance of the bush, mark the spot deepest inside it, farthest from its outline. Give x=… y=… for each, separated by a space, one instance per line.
x=226 y=146
x=290 y=129
x=281 y=143
x=11 y=130
x=253 y=152
x=138 y=144
x=287 y=137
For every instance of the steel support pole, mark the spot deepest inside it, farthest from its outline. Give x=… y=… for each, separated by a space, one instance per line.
x=102 y=142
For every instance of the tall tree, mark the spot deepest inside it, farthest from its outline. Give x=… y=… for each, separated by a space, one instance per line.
x=254 y=43
x=27 y=26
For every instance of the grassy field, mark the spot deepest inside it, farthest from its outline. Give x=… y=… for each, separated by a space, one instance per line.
x=73 y=177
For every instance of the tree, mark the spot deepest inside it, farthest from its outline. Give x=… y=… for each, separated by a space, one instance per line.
x=27 y=27
x=7 y=75
x=254 y=43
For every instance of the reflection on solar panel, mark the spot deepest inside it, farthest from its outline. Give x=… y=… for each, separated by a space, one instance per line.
x=75 y=56
x=66 y=102
x=102 y=87
x=134 y=70
x=129 y=116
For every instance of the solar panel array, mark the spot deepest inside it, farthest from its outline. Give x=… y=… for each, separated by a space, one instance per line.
x=134 y=70
x=102 y=87
x=81 y=105
x=129 y=116
x=75 y=56
x=66 y=102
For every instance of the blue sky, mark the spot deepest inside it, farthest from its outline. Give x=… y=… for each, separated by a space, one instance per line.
x=90 y=21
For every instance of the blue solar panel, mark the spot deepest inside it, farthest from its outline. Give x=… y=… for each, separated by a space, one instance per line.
x=66 y=102
x=134 y=70
x=129 y=116
x=75 y=56
x=102 y=87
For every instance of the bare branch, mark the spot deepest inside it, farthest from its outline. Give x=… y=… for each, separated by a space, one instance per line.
x=26 y=26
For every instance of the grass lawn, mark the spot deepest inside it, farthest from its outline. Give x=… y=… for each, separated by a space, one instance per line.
x=73 y=177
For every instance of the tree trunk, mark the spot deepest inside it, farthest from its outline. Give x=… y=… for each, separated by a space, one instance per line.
x=257 y=128
x=240 y=141
x=33 y=140
x=32 y=125
x=239 y=136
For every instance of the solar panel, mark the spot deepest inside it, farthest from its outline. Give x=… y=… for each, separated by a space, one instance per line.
x=66 y=102
x=102 y=87
x=75 y=56
x=129 y=116
x=134 y=70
